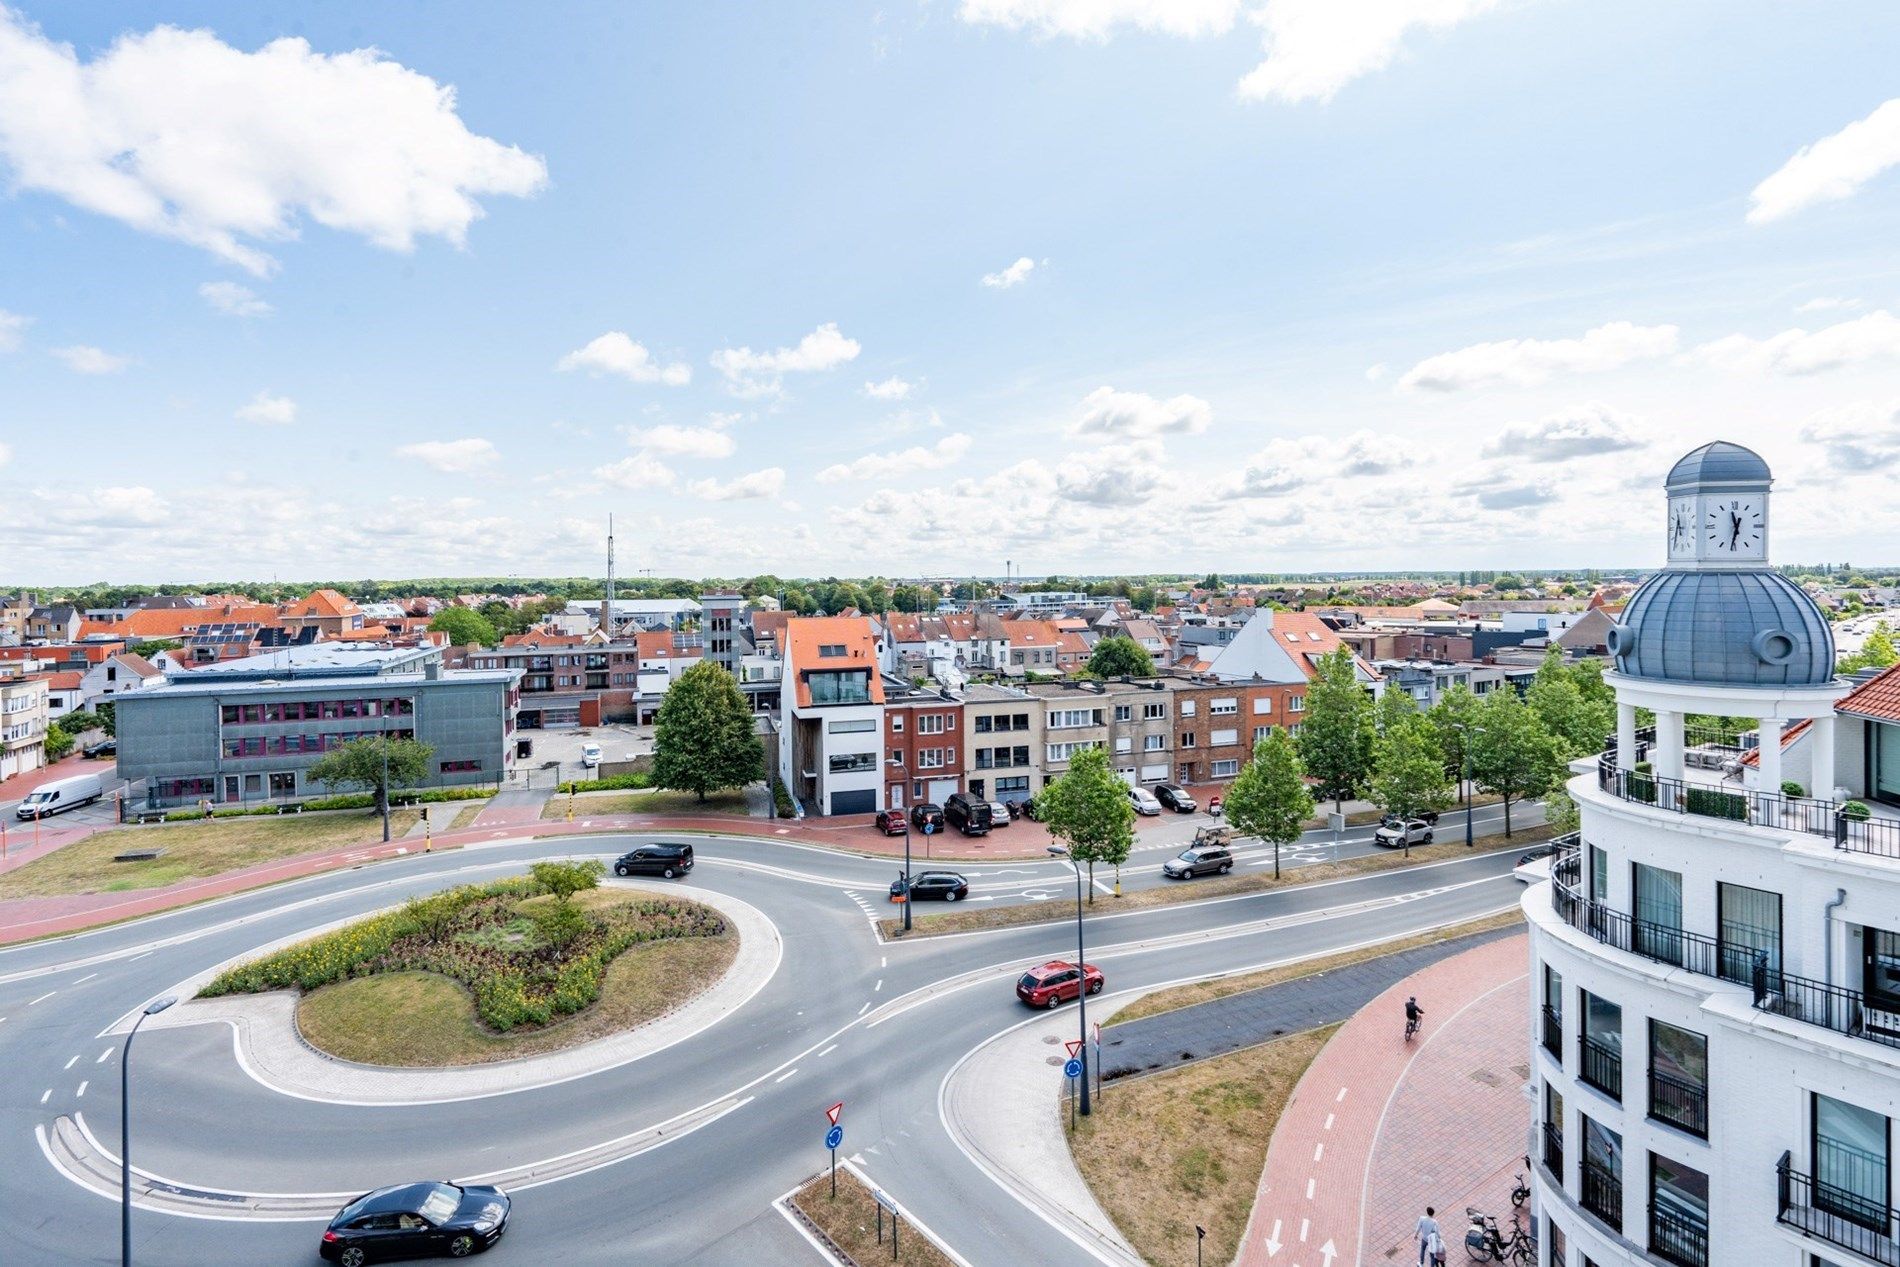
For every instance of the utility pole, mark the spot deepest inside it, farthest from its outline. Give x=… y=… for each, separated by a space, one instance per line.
x=607 y=603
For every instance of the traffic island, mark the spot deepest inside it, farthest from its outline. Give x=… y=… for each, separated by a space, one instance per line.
x=856 y=1228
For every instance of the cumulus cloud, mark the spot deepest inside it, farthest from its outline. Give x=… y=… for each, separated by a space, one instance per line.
x=892 y=388
x=82 y=359
x=179 y=134
x=1098 y=19
x=693 y=442
x=1528 y=362
x=233 y=300
x=1833 y=168
x=1107 y=413
x=1579 y=432
x=756 y=484
x=1511 y=496
x=1858 y=437
x=1872 y=337
x=1126 y=476
x=12 y=326
x=616 y=353
x=642 y=470
x=1827 y=303
x=750 y=373
x=1316 y=47
x=946 y=452
x=1289 y=463
x=1015 y=275
x=270 y=411
x=452 y=457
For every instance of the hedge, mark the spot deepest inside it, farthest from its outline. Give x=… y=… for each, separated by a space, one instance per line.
x=612 y=783
x=1713 y=804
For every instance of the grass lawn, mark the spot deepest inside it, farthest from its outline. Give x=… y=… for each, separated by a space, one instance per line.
x=656 y=802
x=966 y=918
x=1168 y=1151
x=193 y=850
x=466 y=816
x=850 y=1220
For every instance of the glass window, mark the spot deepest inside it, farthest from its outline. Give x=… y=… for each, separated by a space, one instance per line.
x=1658 y=930
x=1603 y=1173
x=1154 y=712
x=1602 y=1044
x=1679 y=1077
x=1678 y=1212
x=982 y=726
x=852 y=762
x=1559 y=1247
x=852 y=726
x=1124 y=712
x=839 y=688
x=1851 y=1162
x=1225 y=769
x=1262 y=705
x=1599 y=875
x=1748 y=926
x=1882 y=977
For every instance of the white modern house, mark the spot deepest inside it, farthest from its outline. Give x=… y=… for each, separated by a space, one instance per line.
x=1715 y=1013
x=831 y=711
x=116 y=675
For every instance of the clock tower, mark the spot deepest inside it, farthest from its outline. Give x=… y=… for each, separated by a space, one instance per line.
x=1718 y=510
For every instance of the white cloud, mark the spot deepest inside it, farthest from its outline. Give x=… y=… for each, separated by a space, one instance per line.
x=1579 y=432
x=82 y=359
x=752 y=373
x=452 y=457
x=766 y=483
x=616 y=353
x=1857 y=438
x=1123 y=477
x=1107 y=412
x=12 y=326
x=270 y=411
x=1827 y=303
x=892 y=388
x=1375 y=372
x=1316 y=47
x=1508 y=496
x=233 y=300
x=640 y=471
x=1290 y=463
x=1097 y=19
x=1874 y=336
x=1014 y=275
x=1528 y=362
x=946 y=452
x=692 y=442
x=1833 y=168
x=179 y=134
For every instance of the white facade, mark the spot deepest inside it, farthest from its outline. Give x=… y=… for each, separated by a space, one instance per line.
x=22 y=725
x=114 y=676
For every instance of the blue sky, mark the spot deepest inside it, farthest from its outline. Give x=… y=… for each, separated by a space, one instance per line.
x=1308 y=284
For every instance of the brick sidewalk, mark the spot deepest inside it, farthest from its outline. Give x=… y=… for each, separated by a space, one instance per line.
x=1378 y=1129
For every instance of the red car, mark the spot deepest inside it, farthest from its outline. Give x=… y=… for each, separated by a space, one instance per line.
x=1057 y=982
x=891 y=822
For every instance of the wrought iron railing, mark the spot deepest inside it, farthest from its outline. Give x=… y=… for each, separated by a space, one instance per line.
x=1601 y=1066
x=1603 y=1194
x=1678 y=1238
x=1860 y=1224
x=1679 y=1102
x=1553 y=1032
x=1554 y=1150
x=1854 y=831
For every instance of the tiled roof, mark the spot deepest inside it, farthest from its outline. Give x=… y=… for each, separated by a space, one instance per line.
x=804 y=636
x=1878 y=698
x=1752 y=757
x=1032 y=633
x=138 y=664
x=322 y=603
x=65 y=680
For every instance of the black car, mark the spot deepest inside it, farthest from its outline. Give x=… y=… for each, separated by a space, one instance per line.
x=1542 y=851
x=106 y=747
x=1202 y=860
x=1428 y=817
x=1175 y=798
x=926 y=812
x=947 y=886
x=416 y=1220
x=666 y=860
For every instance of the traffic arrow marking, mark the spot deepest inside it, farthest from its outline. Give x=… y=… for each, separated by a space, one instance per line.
x=1327 y=1252
x=1273 y=1240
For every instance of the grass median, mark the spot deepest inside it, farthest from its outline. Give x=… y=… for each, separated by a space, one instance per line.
x=965 y=919
x=192 y=851
x=588 y=804
x=850 y=1222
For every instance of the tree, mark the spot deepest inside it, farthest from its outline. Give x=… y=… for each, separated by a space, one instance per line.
x=359 y=763
x=1877 y=652
x=1578 y=724
x=153 y=646
x=703 y=738
x=1512 y=754
x=1408 y=772
x=1120 y=656
x=1451 y=719
x=1270 y=800
x=465 y=627
x=58 y=743
x=1336 y=730
x=1088 y=810
x=1560 y=812
x=565 y=879
x=1395 y=708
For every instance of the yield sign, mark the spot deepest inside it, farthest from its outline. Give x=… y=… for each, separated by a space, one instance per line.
x=834 y=1111
x=1075 y=1046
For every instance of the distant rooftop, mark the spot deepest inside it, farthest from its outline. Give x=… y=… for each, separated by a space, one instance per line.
x=313 y=659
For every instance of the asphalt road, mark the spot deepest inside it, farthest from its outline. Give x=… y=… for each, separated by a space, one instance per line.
x=844 y=1017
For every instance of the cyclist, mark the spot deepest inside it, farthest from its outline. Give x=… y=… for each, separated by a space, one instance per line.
x=1413 y=1012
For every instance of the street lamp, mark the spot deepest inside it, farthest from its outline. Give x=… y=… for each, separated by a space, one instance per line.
x=125 y=1129
x=1464 y=761
x=1082 y=973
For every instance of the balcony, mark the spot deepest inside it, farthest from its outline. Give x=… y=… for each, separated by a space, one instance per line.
x=1603 y=1194
x=1678 y=1238
x=1875 y=835
x=1602 y=1066
x=1823 y=1212
x=1553 y=1032
x=1679 y=1103
x=1554 y=1150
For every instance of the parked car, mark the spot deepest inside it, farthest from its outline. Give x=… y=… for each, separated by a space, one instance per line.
x=1175 y=798
x=1056 y=983
x=666 y=860
x=1535 y=865
x=1208 y=860
x=1392 y=820
x=1144 y=801
x=967 y=814
x=926 y=813
x=106 y=747
x=416 y=1220
x=1002 y=813
x=1030 y=811
x=945 y=886
x=61 y=795
x=1415 y=831
x=590 y=755
x=891 y=822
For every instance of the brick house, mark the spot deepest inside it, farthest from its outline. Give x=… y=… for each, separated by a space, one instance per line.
x=924 y=750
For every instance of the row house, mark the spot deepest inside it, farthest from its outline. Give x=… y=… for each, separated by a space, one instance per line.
x=23 y=723
x=923 y=746
x=831 y=714
x=57 y=622
x=1218 y=725
x=1134 y=720
x=1003 y=737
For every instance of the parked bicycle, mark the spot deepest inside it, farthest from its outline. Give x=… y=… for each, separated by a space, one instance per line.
x=1486 y=1244
x=1521 y=1191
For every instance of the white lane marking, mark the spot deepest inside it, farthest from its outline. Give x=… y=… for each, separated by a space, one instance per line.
x=788 y=1073
x=1319 y=1150
x=72 y=1062
x=82 y=1088
x=1309 y=1189
x=1341 y=1097
x=878 y=986
x=862 y=1010
x=104 y=1056
x=883 y=961
x=1305 y=1224
x=1329 y=1123
x=139 y=956
x=89 y=976
x=49 y=994
x=46 y=1095
x=827 y=1051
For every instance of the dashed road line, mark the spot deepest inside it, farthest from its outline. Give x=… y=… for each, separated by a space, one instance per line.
x=788 y=1073
x=862 y=1010
x=1341 y=1097
x=1329 y=1123
x=89 y=976
x=878 y=986
x=72 y=1062
x=46 y=1095
x=1309 y=1189
x=1319 y=1150
x=49 y=994
x=104 y=1056
x=827 y=1051
x=82 y=1089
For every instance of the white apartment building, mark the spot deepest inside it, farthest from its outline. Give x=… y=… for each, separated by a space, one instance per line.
x=831 y=711
x=22 y=725
x=1715 y=969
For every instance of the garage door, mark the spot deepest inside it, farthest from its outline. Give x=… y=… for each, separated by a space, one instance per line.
x=864 y=802
x=942 y=790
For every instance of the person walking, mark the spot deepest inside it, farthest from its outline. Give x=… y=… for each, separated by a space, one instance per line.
x=1427 y=1232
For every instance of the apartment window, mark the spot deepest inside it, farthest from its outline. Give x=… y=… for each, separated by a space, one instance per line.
x=1658 y=929
x=1072 y=718
x=982 y=725
x=1124 y=712
x=1748 y=927
x=1678 y=1212
x=1601 y=1044
x=1187 y=739
x=1018 y=756
x=1852 y=1149
x=1063 y=751
x=1553 y=1012
x=1223 y=707
x=1554 y=1132
x=1602 y=1187
x=1679 y=1077
x=930 y=758
x=1019 y=720
x=1187 y=708
x=897 y=723
x=1124 y=744
x=1223 y=738
x=852 y=726
x=839 y=688
x=1225 y=769
x=1263 y=706
x=1296 y=704
x=1260 y=732
x=930 y=724
x=1880 y=975
x=458 y=767
x=1599 y=875
x=852 y=762
x=1020 y=783
x=1154 y=743
x=1153 y=712
x=1559 y=1246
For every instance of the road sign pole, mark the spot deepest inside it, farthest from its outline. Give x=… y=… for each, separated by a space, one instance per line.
x=907 y=877
x=834 y=1172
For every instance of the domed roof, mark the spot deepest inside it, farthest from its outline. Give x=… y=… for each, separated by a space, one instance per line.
x=1718 y=463
x=1724 y=628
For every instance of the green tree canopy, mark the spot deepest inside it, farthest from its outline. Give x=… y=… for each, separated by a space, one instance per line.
x=1395 y=708
x=153 y=646
x=1270 y=800
x=1088 y=810
x=1408 y=770
x=1120 y=656
x=1578 y=723
x=1877 y=652
x=465 y=627
x=1512 y=754
x=58 y=743
x=703 y=738
x=565 y=879
x=359 y=763
x=1451 y=719
x=1336 y=729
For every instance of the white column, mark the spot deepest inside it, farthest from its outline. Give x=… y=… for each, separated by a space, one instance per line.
x=1821 y=758
x=1667 y=753
x=1770 y=756
x=1625 y=736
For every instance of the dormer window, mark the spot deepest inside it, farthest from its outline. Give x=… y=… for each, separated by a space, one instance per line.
x=831 y=651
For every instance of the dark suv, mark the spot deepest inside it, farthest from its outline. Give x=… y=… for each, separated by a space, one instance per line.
x=926 y=813
x=1175 y=798
x=968 y=814
x=666 y=860
x=1200 y=861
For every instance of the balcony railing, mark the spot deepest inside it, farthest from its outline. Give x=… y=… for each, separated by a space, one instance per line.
x=1554 y=1150
x=1678 y=1102
x=1820 y=1210
x=1553 y=1032
x=1602 y=1066
x=1849 y=832
x=1603 y=1194
x=1679 y=1238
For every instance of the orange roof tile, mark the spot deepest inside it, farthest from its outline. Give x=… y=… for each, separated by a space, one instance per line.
x=1877 y=697
x=804 y=636
x=322 y=603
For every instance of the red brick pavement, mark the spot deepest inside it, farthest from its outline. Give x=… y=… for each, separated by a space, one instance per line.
x=1378 y=1129
x=17 y=787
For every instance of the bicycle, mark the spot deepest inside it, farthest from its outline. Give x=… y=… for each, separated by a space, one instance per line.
x=1521 y=1191
x=1411 y=1027
x=1485 y=1244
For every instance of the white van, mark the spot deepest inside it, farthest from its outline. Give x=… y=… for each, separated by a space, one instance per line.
x=59 y=796
x=590 y=755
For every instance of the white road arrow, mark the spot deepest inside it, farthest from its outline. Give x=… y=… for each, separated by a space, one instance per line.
x=1327 y=1252
x=1273 y=1240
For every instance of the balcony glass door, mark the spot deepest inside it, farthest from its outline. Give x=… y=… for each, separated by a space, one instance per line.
x=1851 y=1162
x=1658 y=931
x=1749 y=924
x=1885 y=762
x=1880 y=978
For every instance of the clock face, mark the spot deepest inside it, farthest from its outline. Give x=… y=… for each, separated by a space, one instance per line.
x=1681 y=528
x=1733 y=528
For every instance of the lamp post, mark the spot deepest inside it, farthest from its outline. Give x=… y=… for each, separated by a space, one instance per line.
x=1082 y=973
x=125 y=1129
x=1464 y=762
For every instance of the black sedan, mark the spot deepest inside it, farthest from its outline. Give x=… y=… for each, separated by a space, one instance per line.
x=1175 y=798
x=416 y=1220
x=946 y=886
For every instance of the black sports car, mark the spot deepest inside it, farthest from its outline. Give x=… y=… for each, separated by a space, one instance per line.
x=416 y=1220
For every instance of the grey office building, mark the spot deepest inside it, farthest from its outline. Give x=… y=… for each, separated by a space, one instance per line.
x=247 y=730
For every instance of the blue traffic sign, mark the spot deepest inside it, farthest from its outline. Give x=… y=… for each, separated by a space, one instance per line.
x=929 y=827
x=1073 y=1069
x=834 y=1137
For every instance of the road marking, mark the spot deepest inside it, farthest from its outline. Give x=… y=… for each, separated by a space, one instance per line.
x=46 y=1095
x=49 y=994
x=788 y=1073
x=82 y=1089
x=72 y=1062
x=1304 y=1225
x=104 y=1056
x=1341 y=1097
x=1329 y=1123
x=1319 y=1150
x=89 y=976
x=139 y=956
x=878 y=986
x=1309 y=1189
x=861 y=1012
x=827 y=1051
x=883 y=961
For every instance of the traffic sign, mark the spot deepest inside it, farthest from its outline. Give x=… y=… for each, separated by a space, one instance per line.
x=834 y=1137
x=832 y=1113
x=1073 y=1069
x=929 y=827
x=1097 y=1027
x=1074 y=1046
